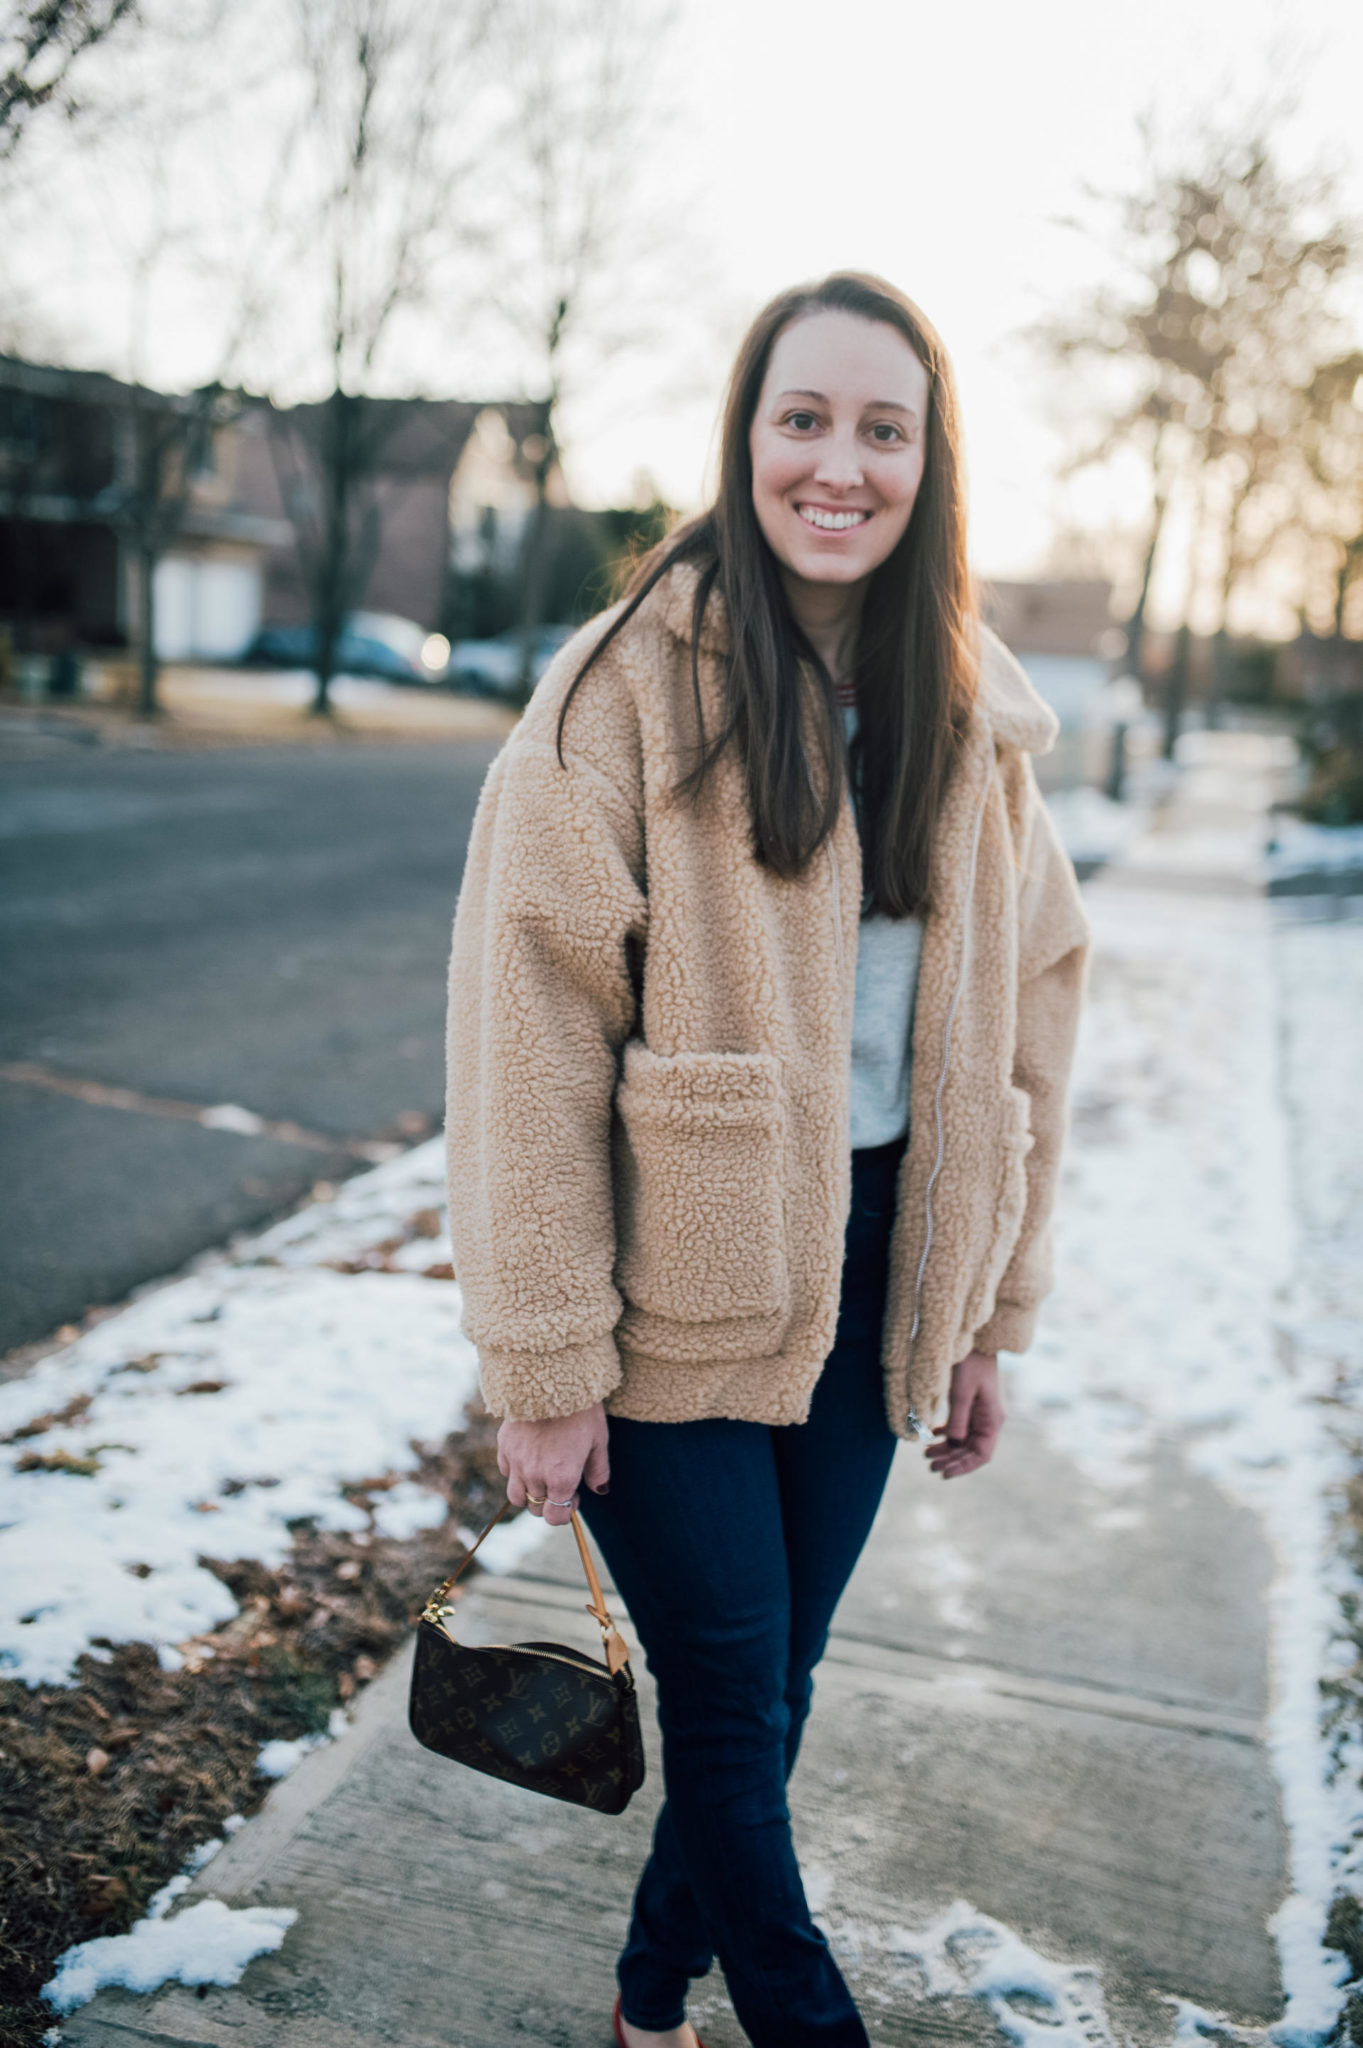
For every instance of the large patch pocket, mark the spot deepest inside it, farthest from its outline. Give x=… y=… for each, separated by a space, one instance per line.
x=700 y=1210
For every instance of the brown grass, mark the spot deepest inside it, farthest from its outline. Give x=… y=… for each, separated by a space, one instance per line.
x=107 y=1785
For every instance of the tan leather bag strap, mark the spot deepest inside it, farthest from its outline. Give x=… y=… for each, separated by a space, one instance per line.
x=617 y=1653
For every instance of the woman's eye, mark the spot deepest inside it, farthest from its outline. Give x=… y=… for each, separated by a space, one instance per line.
x=886 y=432
x=801 y=421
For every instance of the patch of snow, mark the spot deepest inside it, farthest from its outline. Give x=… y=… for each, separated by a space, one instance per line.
x=208 y=1943
x=1300 y=848
x=423 y=1252
x=222 y=1407
x=965 y=1953
x=230 y=1116
x=509 y=1544
x=1209 y=1294
x=278 y=1758
x=363 y=1212
x=406 y=1509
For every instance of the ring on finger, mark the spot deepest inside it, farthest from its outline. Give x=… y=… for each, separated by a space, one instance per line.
x=558 y=1503
x=535 y=1500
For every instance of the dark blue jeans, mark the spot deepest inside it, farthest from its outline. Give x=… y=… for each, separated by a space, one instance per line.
x=731 y=1543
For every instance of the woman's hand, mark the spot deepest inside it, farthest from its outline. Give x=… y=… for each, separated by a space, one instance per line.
x=546 y=1462
x=974 y=1418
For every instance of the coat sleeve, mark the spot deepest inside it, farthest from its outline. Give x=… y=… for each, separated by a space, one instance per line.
x=541 y=996
x=1054 y=937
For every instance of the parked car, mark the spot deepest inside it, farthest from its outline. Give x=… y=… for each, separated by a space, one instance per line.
x=492 y=668
x=371 y=644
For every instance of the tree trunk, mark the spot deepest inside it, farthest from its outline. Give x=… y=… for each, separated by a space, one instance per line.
x=146 y=630
x=1177 y=691
x=1135 y=625
x=532 y=592
x=1220 y=677
x=334 y=566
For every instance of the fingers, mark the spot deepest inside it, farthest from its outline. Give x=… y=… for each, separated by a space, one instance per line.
x=956 y=1459
x=597 y=1471
x=959 y=1411
x=974 y=1447
x=547 y=1495
x=975 y=1415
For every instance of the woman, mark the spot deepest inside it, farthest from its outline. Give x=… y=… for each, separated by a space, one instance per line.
x=745 y=1187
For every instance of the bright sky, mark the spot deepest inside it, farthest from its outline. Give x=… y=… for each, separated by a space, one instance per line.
x=936 y=145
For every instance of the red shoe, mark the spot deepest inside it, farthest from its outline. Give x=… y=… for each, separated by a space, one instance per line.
x=620 y=2032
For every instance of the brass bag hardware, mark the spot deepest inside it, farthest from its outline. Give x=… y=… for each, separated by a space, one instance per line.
x=537 y=1714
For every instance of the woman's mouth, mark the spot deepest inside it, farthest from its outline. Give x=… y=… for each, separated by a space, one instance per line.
x=824 y=520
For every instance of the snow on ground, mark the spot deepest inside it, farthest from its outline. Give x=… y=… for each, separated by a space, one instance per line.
x=963 y=1952
x=221 y=1407
x=208 y=1943
x=278 y=1758
x=1299 y=848
x=1209 y=1288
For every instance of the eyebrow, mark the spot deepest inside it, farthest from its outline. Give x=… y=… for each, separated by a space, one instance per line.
x=872 y=405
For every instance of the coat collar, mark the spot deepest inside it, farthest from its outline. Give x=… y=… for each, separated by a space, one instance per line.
x=1008 y=704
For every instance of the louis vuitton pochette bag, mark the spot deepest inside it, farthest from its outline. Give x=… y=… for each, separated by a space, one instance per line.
x=538 y=1714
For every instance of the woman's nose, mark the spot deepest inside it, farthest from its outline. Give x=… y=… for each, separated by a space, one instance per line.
x=839 y=466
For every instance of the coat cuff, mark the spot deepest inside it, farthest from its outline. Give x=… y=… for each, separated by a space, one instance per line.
x=1010 y=1328
x=535 y=1386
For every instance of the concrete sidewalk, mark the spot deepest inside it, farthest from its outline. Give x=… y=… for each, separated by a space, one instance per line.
x=1091 y=1775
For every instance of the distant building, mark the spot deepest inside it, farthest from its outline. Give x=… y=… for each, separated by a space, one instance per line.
x=449 y=487
x=77 y=450
x=94 y=471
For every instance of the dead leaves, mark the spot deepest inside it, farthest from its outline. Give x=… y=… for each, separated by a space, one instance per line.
x=74 y=1411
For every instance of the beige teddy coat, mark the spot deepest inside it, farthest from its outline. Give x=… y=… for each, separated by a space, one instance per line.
x=649 y=1057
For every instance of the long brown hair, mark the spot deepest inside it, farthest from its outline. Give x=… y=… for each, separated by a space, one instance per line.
x=916 y=655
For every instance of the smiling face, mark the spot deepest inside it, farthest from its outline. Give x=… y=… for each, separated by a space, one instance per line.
x=837 y=443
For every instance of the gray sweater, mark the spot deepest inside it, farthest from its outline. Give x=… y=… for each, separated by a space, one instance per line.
x=882 y=1019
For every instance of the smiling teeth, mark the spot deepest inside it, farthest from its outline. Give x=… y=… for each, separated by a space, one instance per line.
x=832 y=522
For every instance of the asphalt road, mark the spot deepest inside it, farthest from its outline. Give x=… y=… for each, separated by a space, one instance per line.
x=263 y=928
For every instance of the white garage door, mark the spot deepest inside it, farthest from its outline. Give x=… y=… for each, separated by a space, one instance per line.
x=205 y=611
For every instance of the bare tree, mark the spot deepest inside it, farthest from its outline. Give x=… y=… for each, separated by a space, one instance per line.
x=578 y=242
x=1330 y=441
x=153 y=116
x=382 y=165
x=1204 y=350
x=167 y=445
x=40 y=42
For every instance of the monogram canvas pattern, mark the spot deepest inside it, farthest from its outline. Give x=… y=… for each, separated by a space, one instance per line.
x=535 y=1714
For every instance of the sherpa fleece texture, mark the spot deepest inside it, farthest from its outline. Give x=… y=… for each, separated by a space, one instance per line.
x=649 y=1058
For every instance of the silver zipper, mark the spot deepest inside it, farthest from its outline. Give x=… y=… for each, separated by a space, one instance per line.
x=913 y=1419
